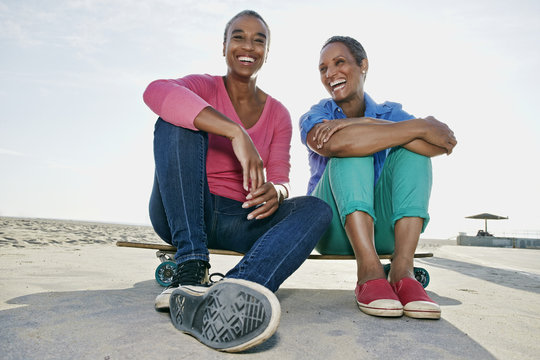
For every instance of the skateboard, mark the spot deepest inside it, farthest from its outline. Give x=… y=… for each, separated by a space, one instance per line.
x=165 y=253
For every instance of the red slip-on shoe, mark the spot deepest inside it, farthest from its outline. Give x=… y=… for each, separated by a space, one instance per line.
x=376 y=297
x=415 y=300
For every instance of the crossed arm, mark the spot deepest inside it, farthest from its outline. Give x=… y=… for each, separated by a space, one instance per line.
x=366 y=136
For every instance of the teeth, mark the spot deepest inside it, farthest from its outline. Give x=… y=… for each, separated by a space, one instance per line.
x=246 y=58
x=337 y=82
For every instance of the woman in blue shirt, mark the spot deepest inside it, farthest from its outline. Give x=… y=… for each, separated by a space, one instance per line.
x=371 y=163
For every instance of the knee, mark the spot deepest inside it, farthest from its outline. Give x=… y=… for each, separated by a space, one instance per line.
x=351 y=163
x=410 y=162
x=170 y=132
x=163 y=127
x=352 y=172
x=318 y=209
x=164 y=133
x=403 y=155
x=324 y=210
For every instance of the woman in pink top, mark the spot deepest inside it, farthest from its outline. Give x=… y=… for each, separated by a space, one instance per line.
x=221 y=148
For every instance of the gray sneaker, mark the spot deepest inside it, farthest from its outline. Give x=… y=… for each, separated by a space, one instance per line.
x=191 y=272
x=231 y=315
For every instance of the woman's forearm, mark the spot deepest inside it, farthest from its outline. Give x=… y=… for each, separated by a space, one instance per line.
x=422 y=147
x=212 y=121
x=367 y=138
x=418 y=145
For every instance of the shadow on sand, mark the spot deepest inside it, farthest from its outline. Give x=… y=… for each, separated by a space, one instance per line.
x=122 y=324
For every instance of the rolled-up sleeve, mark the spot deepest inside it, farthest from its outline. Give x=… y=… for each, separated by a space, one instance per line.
x=314 y=116
x=279 y=165
x=174 y=102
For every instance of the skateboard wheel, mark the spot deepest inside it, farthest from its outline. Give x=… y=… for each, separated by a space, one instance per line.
x=422 y=276
x=165 y=272
x=386 y=268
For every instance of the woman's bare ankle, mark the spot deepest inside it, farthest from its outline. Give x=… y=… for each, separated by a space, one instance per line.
x=401 y=268
x=366 y=273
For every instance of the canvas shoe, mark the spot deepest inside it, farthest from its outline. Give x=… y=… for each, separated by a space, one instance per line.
x=231 y=315
x=376 y=297
x=191 y=272
x=415 y=300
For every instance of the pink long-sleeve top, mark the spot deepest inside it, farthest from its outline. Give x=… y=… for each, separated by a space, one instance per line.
x=180 y=101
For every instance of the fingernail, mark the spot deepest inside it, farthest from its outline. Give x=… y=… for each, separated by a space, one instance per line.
x=244 y=205
x=249 y=196
x=249 y=217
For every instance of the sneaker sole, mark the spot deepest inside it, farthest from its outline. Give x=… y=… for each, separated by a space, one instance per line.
x=423 y=314
x=232 y=315
x=422 y=310
x=162 y=300
x=384 y=312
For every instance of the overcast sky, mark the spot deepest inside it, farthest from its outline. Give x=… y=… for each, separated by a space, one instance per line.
x=76 y=137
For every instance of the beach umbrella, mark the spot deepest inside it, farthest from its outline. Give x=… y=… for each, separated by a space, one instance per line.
x=486 y=217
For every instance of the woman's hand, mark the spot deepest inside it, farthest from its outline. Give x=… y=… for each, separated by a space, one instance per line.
x=214 y=122
x=250 y=160
x=439 y=134
x=324 y=130
x=267 y=197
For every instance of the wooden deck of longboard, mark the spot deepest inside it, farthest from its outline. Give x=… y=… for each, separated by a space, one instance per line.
x=172 y=249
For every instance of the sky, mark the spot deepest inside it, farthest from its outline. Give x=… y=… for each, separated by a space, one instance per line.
x=76 y=137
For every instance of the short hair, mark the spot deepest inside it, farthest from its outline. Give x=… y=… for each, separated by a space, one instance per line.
x=246 y=13
x=356 y=49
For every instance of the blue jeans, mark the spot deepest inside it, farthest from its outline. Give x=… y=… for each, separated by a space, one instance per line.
x=185 y=214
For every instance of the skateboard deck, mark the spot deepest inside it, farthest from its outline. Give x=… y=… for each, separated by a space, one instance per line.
x=165 y=254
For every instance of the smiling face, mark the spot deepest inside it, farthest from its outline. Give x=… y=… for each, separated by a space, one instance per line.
x=246 y=46
x=340 y=74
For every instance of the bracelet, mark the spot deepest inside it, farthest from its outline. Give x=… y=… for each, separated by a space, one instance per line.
x=281 y=191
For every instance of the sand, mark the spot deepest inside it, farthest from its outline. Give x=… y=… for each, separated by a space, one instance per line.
x=67 y=292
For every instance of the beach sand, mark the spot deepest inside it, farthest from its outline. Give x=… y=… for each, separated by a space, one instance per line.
x=67 y=292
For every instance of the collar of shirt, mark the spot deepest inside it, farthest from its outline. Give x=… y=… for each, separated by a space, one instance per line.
x=373 y=110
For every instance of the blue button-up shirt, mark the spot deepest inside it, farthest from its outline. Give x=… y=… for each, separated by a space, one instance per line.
x=329 y=110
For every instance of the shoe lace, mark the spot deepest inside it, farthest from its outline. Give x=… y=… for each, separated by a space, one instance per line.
x=191 y=272
x=215 y=274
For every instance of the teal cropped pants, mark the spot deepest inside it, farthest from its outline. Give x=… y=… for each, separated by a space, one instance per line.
x=402 y=190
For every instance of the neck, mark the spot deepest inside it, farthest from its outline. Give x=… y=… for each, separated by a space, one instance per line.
x=240 y=89
x=355 y=106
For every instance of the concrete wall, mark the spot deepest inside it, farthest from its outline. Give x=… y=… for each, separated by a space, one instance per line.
x=492 y=241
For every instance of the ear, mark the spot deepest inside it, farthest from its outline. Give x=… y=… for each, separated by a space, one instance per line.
x=224 y=48
x=365 y=66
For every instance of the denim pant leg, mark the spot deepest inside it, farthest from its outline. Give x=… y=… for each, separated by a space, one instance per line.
x=403 y=190
x=180 y=202
x=276 y=246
